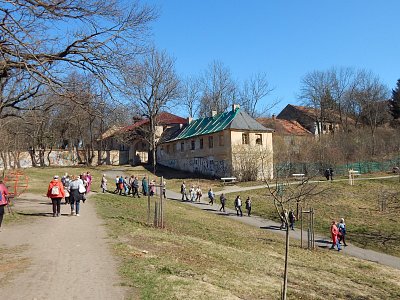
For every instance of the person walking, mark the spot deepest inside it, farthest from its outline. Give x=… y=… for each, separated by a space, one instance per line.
x=121 y=184
x=183 y=191
x=145 y=187
x=248 y=206
x=152 y=188
x=342 y=231
x=76 y=190
x=130 y=184
x=192 y=193
x=104 y=183
x=222 y=198
x=3 y=200
x=88 y=182
x=331 y=173
x=55 y=192
x=283 y=219
x=326 y=174
x=116 y=185
x=238 y=206
x=135 y=187
x=211 y=196
x=66 y=183
x=334 y=235
x=199 y=194
x=164 y=189
x=292 y=219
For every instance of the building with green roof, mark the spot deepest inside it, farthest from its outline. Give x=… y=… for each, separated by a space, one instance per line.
x=223 y=145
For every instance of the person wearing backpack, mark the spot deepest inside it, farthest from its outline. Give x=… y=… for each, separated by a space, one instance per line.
x=342 y=231
x=3 y=200
x=56 y=192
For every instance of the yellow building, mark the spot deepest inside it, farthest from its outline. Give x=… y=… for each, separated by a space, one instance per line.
x=223 y=145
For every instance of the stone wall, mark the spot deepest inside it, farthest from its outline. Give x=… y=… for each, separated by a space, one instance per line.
x=58 y=158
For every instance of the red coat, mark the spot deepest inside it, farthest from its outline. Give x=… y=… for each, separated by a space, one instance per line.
x=4 y=194
x=61 y=192
x=334 y=233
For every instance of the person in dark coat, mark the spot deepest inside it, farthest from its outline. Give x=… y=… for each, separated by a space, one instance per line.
x=292 y=219
x=248 y=206
x=331 y=173
x=222 y=198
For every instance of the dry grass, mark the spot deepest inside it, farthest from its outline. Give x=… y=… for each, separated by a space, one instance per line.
x=367 y=226
x=204 y=256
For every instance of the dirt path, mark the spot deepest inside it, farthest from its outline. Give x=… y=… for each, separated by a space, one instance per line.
x=69 y=257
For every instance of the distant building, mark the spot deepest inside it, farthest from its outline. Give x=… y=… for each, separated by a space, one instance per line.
x=223 y=145
x=131 y=141
x=311 y=118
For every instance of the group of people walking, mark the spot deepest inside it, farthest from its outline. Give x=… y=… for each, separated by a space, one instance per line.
x=338 y=234
x=131 y=185
x=194 y=193
x=71 y=188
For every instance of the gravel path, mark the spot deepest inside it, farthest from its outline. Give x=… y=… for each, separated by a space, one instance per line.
x=70 y=256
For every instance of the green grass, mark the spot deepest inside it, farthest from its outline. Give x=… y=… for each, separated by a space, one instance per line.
x=367 y=226
x=205 y=256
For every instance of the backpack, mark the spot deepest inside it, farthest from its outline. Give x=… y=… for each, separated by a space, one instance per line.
x=55 y=190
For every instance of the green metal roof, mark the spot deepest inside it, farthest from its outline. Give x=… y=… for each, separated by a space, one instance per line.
x=207 y=125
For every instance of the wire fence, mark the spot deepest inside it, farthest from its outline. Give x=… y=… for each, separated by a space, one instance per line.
x=362 y=167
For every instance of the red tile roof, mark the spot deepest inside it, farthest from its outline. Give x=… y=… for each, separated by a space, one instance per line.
x=284 y=127
x=163 y=118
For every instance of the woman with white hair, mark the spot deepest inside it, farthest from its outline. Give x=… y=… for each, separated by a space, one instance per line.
x=104 y=183
x=342 y=231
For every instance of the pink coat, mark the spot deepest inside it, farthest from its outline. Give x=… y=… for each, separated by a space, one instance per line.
x=334 y=233
x=4 y=194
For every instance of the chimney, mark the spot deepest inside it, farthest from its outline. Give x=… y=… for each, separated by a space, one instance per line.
x=213 y=113
x=235 y=107
x=189 y=120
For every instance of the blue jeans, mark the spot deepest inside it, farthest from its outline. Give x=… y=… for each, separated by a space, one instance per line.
x=75 y=200
x=76 y=206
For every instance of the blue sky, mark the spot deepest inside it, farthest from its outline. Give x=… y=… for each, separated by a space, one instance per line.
x=284 y=39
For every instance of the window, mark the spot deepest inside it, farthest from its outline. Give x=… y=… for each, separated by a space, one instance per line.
x=221 y=139
x=201 y=143
x=258 y=139
x=210 y=142
x=182 y=146
x=193 y=145
x=245 y=138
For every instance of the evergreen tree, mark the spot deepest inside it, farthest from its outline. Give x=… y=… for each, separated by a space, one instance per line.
x=395 y=102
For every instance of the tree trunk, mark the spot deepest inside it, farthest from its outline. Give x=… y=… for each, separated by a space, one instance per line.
x=285 y=273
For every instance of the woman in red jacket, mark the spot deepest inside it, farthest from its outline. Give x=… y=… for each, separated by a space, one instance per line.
x=3 y=200
x=334 y=234
x=56 y=193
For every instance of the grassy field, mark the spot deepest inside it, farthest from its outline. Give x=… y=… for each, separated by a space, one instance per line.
x=367 y=226
x=205 y=256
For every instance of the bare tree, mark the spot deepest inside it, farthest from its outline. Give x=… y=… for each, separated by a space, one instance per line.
x=36 y=46
x=285 y=196
x=190 y=96
x=253 y=91
x=372 y=97
x=219 y=90
x=152 y=85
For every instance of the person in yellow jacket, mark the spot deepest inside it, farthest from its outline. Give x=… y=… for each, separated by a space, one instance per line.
x=56 y=192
